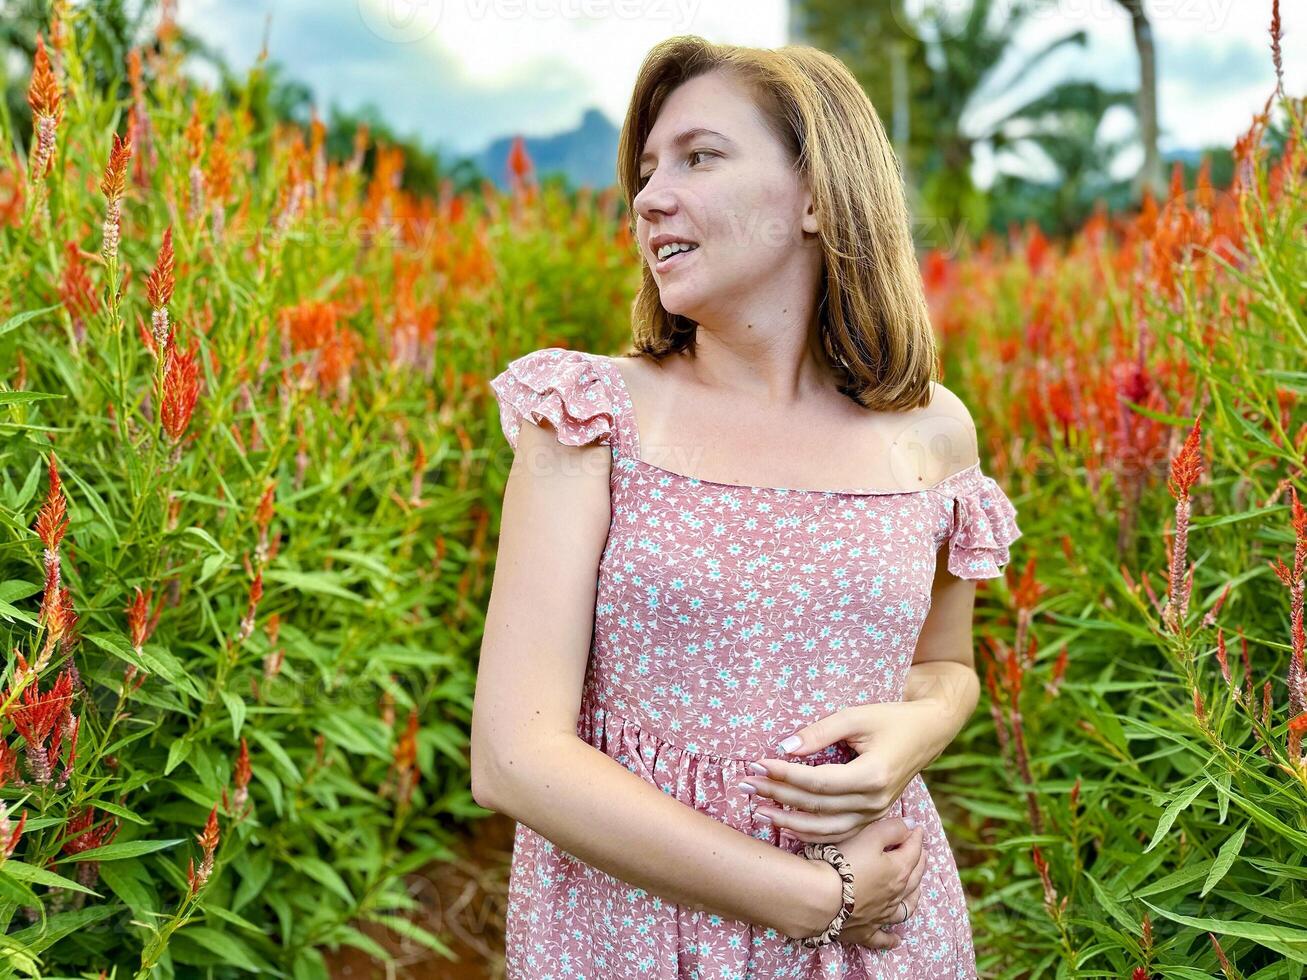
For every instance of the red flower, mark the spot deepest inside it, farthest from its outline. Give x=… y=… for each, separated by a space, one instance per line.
x=159 y=285
x=52 y=521
x=36 y=714
x=181 y=389
x=139 y=619
x=80 y=835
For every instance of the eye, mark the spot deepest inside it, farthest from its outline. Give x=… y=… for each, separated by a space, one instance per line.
x=689 y=156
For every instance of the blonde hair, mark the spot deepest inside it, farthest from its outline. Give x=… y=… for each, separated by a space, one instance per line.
x=873 y=319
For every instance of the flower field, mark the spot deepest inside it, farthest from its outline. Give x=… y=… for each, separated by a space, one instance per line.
x=249 y=478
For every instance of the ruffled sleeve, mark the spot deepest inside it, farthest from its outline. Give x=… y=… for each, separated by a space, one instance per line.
x=560 y=385
x=984 y=526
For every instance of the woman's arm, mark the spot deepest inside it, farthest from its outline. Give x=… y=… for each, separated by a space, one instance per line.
x=943 y=671
x=952 y=689
x=592 y=807
x=527 y=760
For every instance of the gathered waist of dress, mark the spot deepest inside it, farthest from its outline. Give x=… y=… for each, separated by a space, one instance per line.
x=725 y=742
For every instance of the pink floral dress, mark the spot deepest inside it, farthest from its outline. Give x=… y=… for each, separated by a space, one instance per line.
x=727 y=617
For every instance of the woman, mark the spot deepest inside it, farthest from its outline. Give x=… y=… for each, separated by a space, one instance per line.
x=765 y=520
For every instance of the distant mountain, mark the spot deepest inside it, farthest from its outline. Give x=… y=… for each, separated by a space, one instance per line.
x=585 y=155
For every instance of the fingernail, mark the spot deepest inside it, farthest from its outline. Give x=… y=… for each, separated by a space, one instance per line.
x=911 y=822
x=791 y=743
x=747 y=787
x=762 y=818
x=757 y=770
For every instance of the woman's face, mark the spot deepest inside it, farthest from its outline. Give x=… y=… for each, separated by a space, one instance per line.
x=730 y=190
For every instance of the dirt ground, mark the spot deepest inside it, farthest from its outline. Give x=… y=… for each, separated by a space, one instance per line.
x=464 y=903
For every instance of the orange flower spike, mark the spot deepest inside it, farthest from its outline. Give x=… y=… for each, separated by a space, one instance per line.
x=114 y=182
x=243 y=770
x=181 y=389
x=8 y=762
x=263 y=514
x=43 y=93
x=52 y=520
x=195 y=134
x=1297 y=726
x=47 y=110
x=242 y=776
x=1222 y=656
x=113 y=185
x=9 y=838
x=159 y=285
x=519 y=162
x=208 y=841
x=140 y=621
x=1185 y=469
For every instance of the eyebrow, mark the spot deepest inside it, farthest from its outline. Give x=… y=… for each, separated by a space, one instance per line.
x=688 y=135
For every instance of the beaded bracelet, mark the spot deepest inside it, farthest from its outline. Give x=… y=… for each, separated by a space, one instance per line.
x=835 y=858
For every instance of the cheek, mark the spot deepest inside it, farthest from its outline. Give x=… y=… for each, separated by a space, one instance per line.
x=758 y=218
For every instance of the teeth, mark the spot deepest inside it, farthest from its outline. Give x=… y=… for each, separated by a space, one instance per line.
x=673 y=248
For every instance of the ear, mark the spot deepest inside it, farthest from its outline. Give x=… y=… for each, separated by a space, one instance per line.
x=811 y=225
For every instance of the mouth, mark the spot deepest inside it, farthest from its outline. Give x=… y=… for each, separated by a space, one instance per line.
x=675 y=260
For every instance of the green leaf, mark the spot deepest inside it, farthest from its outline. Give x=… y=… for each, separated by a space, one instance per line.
x=123 y=849
x=1283 y=937
x=177 y=753
x=17 y=589
x=15 y=892
x=95 y=500
x=274 y=749
x=324 y=874
x=230 y=950
x=28 y=872
x=413 y=931
x=322 y=583
x=210 y=568
x=1110 y=903
x=12 y=613
x=1172 y=811
x=350 y=936
x=236 y=708
x=237 y=920
x=28 y=491
x=119 y=811
x=35 y=938
x=128 y=880
x=1229 y=851
x=18 y=319
x=153 y=659
x=355 y=732
x=22 y=397
x=309 y=965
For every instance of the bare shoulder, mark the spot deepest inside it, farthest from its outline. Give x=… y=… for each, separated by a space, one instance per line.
x=949 y=432
x=944 y=402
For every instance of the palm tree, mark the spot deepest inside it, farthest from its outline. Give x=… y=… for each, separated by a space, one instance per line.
x=952 y=60
x=1150 y=175
x=1064 y=136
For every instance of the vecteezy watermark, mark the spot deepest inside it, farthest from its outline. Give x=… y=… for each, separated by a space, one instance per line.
x=401 y=21
x=928 y=448
x=405 y=21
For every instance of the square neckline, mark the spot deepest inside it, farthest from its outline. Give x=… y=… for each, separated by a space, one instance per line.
x=628 y=407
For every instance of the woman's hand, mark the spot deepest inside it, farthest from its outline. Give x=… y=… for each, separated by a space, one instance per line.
x=888 y=864
x=829 y=803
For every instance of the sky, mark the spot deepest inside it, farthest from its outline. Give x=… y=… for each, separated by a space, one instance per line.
x=456 y=74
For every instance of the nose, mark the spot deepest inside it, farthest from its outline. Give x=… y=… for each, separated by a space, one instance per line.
x=656 y=198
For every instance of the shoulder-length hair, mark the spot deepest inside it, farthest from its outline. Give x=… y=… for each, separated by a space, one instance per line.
x=873 y=319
